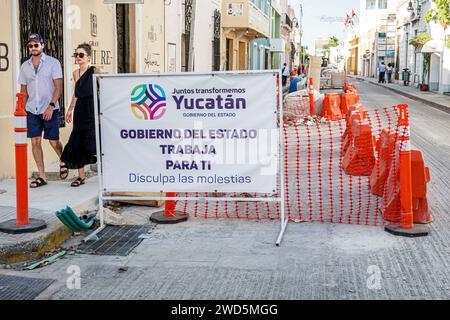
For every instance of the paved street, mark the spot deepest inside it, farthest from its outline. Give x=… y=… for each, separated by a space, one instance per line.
x=228 y=259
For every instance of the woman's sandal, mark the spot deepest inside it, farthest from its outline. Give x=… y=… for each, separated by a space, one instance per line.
x=39 y=182
x=63 y=171
x=78 y=182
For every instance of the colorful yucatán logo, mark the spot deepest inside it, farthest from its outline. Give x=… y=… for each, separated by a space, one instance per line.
x=148 y=102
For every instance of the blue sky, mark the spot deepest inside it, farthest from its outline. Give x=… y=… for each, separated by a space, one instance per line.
x=313 y=10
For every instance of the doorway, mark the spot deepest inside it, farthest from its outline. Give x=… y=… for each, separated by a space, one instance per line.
x=229 y=48
x=242 y=55
x=47 y=19
x=126 y=53
x=266 y=59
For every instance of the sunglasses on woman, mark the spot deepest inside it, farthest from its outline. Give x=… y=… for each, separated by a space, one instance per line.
x=36 y=45
x=81 y=55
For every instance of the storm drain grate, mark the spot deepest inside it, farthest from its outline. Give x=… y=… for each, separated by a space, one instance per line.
x=115 y=240
x=22 y=288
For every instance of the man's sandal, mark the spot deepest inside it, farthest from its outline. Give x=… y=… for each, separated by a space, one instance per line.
x=77 y=182
x=39 y=182
x=63 y=171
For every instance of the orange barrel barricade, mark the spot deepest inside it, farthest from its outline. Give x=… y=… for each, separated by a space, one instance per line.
x=345 y=87
x=399 y=204
x=359 y=158
x=332 y=107
x=385 y=148
x=356 y=112
x=420 y=178
x=348 y=99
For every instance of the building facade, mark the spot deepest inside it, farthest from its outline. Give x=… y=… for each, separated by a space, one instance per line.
x=143 y=37
x=243 y=22
x=277 y=44
x=373 y=38
x=411 y=23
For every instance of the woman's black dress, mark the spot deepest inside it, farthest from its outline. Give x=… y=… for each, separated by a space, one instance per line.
x=81 y=148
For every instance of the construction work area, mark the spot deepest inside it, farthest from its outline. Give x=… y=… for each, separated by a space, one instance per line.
x=226 y=249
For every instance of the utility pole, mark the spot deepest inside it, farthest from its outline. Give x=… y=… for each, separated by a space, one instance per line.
x=191 y=38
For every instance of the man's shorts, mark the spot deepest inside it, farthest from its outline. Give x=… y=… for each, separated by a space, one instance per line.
x=36 y=123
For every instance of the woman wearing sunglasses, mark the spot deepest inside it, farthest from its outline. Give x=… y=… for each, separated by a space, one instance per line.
x=81 y=150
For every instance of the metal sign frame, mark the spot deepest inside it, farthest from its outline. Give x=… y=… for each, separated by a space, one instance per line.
x=102 y=197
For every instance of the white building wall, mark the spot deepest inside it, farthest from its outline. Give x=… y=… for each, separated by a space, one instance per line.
x=439 y=70
x=204 y=34
x=370 y=20
x=173 y=28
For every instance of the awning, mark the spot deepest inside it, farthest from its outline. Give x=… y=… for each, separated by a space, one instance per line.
x=433 y=46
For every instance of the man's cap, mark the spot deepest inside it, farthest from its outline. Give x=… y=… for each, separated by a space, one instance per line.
x=35 y=37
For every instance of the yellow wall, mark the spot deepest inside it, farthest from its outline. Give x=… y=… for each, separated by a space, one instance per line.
x=252 y=17
x=237 y=37
x=103 y=42
x=150 y=35
x=6 y=92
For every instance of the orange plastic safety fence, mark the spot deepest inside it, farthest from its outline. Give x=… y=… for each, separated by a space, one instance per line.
x=317 y=188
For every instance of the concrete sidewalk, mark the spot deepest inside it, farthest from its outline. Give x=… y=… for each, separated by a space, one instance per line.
x=438 y=101
x=43 y=203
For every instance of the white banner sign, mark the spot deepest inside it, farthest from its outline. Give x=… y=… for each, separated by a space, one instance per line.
x=189 y=132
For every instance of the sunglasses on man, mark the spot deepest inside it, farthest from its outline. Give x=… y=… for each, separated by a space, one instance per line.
x=81 y=55
x=36 y=45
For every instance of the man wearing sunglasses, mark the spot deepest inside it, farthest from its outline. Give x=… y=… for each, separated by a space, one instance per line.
x=41 y=80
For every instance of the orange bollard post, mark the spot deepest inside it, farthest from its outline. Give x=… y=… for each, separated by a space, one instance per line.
x=406 y=226
x=21 y=161
x=169 y=206
x=22 y=223
x=405 y=169
x=170 y=215
x=311 y=97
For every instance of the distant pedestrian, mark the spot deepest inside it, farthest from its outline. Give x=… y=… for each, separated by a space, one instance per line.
x=81 y=148
x=389 y=72
x=285 y=74
x=41 y=79
x=301 y=71
x=294 y=83
x=382 y=72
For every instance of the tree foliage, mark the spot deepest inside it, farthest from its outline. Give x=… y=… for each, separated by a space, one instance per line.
x=334 y=42
x=420 y=39
x=440 y=14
